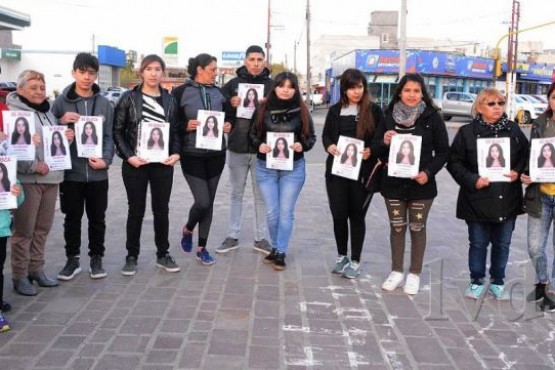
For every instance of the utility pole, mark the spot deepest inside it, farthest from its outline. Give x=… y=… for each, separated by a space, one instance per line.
x=512 y=51
x=93 y=52
x=308 y=73
x=268 y=45
x=295 y=57
x=403 y=39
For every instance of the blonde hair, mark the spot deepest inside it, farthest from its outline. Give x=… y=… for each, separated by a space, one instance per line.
x=488 y=92
x=29 y=75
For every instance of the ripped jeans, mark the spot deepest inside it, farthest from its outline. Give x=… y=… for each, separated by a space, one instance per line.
x=417 y=213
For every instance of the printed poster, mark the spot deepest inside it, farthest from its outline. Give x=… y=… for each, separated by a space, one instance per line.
x=281 y=156
x=404 y=155
x=154 y=141
x=494 y=158
x=88 y=135
x=250 y=95
x=210 y=131
x=56 y=148
x=19 y=127
x=347 y=164
x=542 y=160
x=8 y=175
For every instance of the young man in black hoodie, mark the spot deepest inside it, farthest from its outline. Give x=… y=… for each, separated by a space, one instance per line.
x=85 y=186
x=241 y=157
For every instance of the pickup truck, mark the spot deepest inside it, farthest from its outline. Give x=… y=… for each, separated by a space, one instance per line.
x=457 y=104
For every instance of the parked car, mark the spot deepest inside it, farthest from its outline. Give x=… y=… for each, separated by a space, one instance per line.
x=541 y=98
x=526 y=111
x=457 y=104
x=316 y=98
x=113 y=96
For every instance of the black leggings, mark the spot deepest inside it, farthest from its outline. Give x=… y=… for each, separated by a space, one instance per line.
x=346 y=198
x=203 y=175
x=3 y=242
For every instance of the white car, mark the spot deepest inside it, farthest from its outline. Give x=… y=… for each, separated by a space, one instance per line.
x=113 y=96
x=526 y=111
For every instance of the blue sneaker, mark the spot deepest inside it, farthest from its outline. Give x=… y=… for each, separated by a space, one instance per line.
x=187 y=242
x=4 y=323
x=474 y=291
x=498 y=291
x=205 y=258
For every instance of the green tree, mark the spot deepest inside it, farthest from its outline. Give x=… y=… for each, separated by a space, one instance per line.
x=127 y=74
x=276 y=68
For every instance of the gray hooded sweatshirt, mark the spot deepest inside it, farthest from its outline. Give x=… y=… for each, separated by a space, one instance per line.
x=95 y=105
x=27 y=170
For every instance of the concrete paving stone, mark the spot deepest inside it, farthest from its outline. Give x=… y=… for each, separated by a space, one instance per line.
x=228 y=342
x=23 y=349
x=139 y=325
x=102 y=335
x=174 y=326
x=35 y=307
x=117 y=313
x=264 y=357
x=168 y=342
x=268 y=293
x=39 y=334
x=237 y=302
x=233 y=319
x=421 y=349
x=118 y=362
x=266 y=309
x=331 y=327
x=147 y=308
x=13 y=363
x=81 y=364
x=90 y=316
x=180 y=312
x=451 y=338
x=331 y=359
x=110 y=323
x=203 y=325
x=266 y=341
x=212 y=361
x=469 y=330
x=69 y=342
x=465 y=358
x=458 y=316
x=156 y=356
x=198 y=336
x=92 y=350
x=209 y=306
x=495 y=363
x=205 y=316
x=55 y=358
x=524 y=356
x=266 y=327
x=80 y=328
x=158 y=367
x=502 y=337
x=128 y=343
x=413 y=327
x=327 y=340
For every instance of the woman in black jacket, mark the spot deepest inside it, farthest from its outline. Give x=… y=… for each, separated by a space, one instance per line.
x=357 y=117
x=283 y=111
x=489 y=208
x=148 y=102
x=412 y=111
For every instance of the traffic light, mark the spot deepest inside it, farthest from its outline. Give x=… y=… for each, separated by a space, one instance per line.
x=498 y=68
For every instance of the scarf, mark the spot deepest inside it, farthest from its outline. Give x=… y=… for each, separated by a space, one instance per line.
x=42 y=107
x=496 y=126
x=406 y=116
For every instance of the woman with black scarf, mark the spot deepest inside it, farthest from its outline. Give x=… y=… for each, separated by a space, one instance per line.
x=283 y=111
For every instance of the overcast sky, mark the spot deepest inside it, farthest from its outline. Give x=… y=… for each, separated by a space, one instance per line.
x=231 y=25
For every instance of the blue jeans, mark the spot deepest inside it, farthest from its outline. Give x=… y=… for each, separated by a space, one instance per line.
x=239 y=166
x=280 y=191
x=480 y=234
x=538 y=232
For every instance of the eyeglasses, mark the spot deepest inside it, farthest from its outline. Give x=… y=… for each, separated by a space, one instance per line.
x=499 y=103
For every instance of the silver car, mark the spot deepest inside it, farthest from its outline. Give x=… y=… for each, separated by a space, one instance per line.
x=458 y=104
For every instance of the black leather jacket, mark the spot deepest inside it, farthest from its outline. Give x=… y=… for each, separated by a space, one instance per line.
x=281 y=121
x=127 y=116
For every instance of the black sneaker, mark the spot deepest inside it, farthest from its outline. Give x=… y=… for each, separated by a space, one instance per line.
x=537 y=294
x=97 y=272
x=167 y=263
x=130 y=267
x=270 y=258
x=279 y=261
x=5 y=306
x=71 y=269
x=547 y=305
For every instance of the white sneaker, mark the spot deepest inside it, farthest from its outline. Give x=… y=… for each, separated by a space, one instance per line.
x=412 y=285
x=394 y=280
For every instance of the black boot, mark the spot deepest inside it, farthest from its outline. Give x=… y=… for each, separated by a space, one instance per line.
x=43 y=280
x=270 y=258
x=279 y=261
x=24 y=287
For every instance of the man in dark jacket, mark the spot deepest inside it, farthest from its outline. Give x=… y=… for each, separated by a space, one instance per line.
x=241 y=157
x=85 y=186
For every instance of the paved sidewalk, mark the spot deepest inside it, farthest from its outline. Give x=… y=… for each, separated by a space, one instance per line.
x=241 y=314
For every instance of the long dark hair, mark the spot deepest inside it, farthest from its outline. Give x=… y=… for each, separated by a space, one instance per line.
x=400 y=152
x=26 y=134
x=344 y=156
x=93 y=136
x=53 y=147
x=206 y=129
x=542 y=159
x=246 y=100
x=273 y=100
x=489 y=159
x=275 y=151
x=414 y=77
x=150 y=142
x=349 y=79
x=550 y=91
x=5 y=179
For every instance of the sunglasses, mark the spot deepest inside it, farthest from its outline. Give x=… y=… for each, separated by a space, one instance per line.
x=492 y=103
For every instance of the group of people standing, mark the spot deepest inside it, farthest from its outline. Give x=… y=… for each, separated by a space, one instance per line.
x=489 y=208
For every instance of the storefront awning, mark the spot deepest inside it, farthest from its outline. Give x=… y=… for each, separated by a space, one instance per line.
x=13 y=20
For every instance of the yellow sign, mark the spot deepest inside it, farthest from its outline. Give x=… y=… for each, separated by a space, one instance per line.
x=170 y=45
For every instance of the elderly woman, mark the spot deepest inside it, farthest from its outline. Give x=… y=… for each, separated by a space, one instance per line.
x=33 y=220
x=489 y=208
